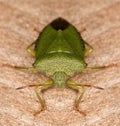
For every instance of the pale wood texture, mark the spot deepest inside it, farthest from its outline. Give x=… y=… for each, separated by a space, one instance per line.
x=18 y=21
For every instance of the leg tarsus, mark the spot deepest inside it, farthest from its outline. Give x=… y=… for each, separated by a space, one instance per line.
x=41 y=110
x=7 y=65
x=78 y=110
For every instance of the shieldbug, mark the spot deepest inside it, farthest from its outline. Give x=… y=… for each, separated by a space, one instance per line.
x=60 y=53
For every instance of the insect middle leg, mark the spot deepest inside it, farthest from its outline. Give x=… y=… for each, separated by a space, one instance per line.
x=87 y=69
x=20 y=67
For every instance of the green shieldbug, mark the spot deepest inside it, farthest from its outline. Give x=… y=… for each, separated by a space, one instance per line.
x=60 y=53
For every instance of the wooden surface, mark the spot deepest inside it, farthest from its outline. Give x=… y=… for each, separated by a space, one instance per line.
x=18 y=21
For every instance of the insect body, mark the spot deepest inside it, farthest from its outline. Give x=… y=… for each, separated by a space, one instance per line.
x=60 y=53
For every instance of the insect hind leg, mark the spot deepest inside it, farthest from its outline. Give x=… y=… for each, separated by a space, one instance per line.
x=89 y=50
x=31 y=51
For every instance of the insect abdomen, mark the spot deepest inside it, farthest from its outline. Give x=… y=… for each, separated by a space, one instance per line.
x=60 y=35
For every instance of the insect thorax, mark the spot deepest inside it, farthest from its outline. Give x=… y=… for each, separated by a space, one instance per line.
x=63 y=62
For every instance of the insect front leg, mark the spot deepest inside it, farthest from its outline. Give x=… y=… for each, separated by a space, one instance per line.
x=76 y=86
x=38 y=91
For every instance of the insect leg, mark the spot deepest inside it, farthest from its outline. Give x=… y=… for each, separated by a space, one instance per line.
x=89 y=50
x=31 y=51
x=38 y=91
x=19 y=67
x=76 y=86
x=87 y=69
